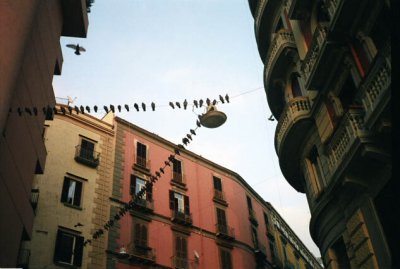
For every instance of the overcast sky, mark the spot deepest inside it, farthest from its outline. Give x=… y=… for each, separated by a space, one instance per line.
x=170 y=50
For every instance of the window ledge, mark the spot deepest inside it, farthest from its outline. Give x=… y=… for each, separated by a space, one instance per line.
x=72 y=206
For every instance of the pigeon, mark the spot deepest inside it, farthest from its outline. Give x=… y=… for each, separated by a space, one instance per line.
x=162 y=170
x=126 y=107
x=201 y=103
x=82 y=109
x=88 y=109
x=136 y=106
x=70 y=109
x=271 y=118
x=172 y=105
x=77 y=48
x=195 y=103
x=153 y=106
x=119 y=108
x=35 y=111
x=185 y=103
x=178 y=105
x=189 y=136
x=112 y=108
x=227 y=98
x=198 y=123
x=214 y=102
x=192 y=132
x=167 y=163
x=144 y=106
x=208 y=101
x=185 y=141
x=95 y=108
x=222 y=99
x=63 y=110
x=105 y=108
x=76 y=109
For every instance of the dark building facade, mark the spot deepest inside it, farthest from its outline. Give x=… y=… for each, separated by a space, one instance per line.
x=30 y=54
x=327 y=79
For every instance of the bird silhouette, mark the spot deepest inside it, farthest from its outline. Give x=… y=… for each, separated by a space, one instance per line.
x=136 y=106
x=185 y=141
x=70 y=109
x=35 y=111
x=82 y=109
x=195 y=103
x=144 y=106
x=95 y=108
x=192 y=132
x=222 y=99
x=172 y=105
x=227 y=98
x=105 y=108
x=78 y=225
x=28 y=110
x=185 y=103
x=208 y=101
x=189 y=136
x=126 y=107
x=119 y=108
x=198 y=123
x=76 y=109
x=162 y=170
x=153 y=106
x=88 y=109
x=177 y=104
x=271 y=118
x=201 y=103
x=167 y=163
x=112 y=108
x=214 y=102
x=77 y=48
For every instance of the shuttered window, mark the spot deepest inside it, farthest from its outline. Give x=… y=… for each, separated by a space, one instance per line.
x=179 y=202
x=226 y=259
x=140 y=235
x=69 y=248
x=221 y=217
x=136 y=184
x=217 y=183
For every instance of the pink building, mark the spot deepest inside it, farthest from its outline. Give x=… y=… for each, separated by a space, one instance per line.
x=197 y=215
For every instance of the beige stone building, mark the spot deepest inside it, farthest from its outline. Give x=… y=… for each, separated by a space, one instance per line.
x=73 y=193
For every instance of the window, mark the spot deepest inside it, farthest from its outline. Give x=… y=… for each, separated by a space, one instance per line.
x=181 y=253
x=179 y=204
x=140 y=235
x=137 y=184
x=217 y=184
x=254 y=237
x=85 y=153
x=315 y=175
x=69 y=248
x=177 y=170
x=141 y=154
x=221 y=221
x=249 y=204
x=226 y=259
x=87 y=149
x=71 y=192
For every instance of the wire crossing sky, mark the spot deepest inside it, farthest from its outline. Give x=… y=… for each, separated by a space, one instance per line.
x=165 y=51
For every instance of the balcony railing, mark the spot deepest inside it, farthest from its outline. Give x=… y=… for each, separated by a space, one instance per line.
x=376 y=87
x=86 y=156
x=180 y=263
x=296 y=109
x=225 y=231
x=34 y=199
x=181 y=217
x=219 y=195
x=23 y=258
x=282 y=39
x=317 y=44
x=178 y=178
x=144 y=204
x=351 y=128
x=141 y=253
x=142 y=162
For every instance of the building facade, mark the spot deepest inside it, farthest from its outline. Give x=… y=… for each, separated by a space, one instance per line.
x=197 y=215
x=327 y=77
x=30 y=54
x=73 y=193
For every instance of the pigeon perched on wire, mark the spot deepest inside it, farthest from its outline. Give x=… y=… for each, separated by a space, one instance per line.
x=136 y=106
x=177 y=104
x=222 y=99
x=78 y=49
x=119 y=108
x=172 y=105
x=227 y=98
x=126 y=107
x=208 y=101
x=88 y=109
x=95 y=108
x=185 y=103
x=153 y=106
x=195 y=103
x=201 y=103
x=144 y=106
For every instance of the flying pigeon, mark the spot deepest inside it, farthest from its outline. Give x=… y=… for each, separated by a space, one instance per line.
x=77 y=48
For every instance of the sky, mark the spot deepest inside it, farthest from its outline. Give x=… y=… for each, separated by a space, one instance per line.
x=171 y=50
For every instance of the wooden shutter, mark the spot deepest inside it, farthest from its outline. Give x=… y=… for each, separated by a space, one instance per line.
x=143 y=236
x=136 y=232
x=149 y=192
x=184 y=248
x=58 y=248
x=221 y=217
x=78 y=193
x=226 y=262
x=132 y=185
x=64 y=194
x=171 y=200
x=186 y=204
x=78 y=251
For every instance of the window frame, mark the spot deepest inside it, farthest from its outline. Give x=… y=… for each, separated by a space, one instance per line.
x=66 y=190
x=76 y=250
x=225 y=255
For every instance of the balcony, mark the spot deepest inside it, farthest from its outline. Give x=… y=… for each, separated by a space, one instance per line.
x=225 y=231
x=180 y=263
x=34 y=199
x=260 y=251
x=141 y=254
x=345 y=142
x=298 y=9
x=87 y=157
x=144 y=205
x=374 y=92
x=181 y=217
x=291 y=130
x=252 y=217
x=266 y=13
x=276 y=62
x=219 y=197
x=23 y=258
x=142 y=163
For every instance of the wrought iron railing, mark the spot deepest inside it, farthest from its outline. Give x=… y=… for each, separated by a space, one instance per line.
x=179 y=262
x=181 y=216
x=87 y=156
x=225 y=230
x=179 y=178
x=142 y=162
x=220 y=195
x=145 y=203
